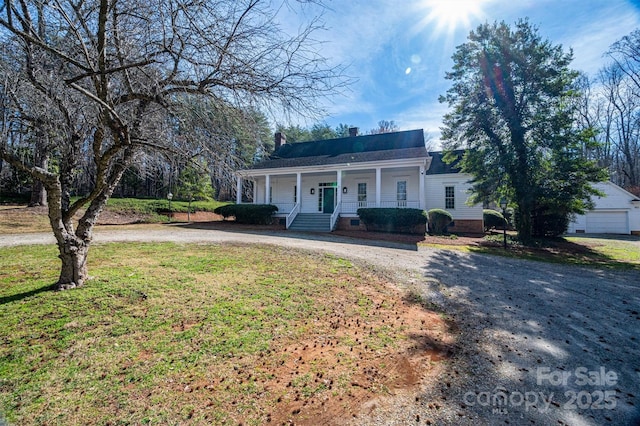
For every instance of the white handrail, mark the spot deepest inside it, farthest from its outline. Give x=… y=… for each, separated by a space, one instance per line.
x=353 y=206
x=292 y=215
x=335 y=216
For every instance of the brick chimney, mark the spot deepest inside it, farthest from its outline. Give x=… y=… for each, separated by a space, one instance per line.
x=279 y=139
x=353 y=131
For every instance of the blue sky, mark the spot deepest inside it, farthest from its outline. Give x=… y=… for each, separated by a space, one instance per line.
x=399 y=51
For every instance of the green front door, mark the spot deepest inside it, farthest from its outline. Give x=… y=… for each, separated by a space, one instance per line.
x=328 y=200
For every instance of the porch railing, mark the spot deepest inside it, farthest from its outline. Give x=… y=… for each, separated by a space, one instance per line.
x=292 y=215
x=352 y=207
x=335 y=216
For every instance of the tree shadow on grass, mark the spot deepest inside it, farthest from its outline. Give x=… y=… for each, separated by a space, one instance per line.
x=556 y=250
x=521 y=321
x=20 y=296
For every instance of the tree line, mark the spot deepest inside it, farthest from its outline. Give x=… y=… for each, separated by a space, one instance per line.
x=92 y=88
x=156 y=174
x=610 y=108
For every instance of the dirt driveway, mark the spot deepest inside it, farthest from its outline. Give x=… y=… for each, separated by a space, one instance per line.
x=539 y=343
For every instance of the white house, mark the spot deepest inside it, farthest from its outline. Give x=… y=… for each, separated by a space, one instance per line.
x=618 y=212
x=320 y=185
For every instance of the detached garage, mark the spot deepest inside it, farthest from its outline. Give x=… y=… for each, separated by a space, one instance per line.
x=618 y=212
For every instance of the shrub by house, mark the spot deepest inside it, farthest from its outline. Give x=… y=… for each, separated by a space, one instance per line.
x=394 y=220
x=252 y=214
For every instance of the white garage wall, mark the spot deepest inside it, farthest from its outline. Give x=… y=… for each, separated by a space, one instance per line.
x=613 y=213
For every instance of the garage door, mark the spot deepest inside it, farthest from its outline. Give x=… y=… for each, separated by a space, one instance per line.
x=607 y=223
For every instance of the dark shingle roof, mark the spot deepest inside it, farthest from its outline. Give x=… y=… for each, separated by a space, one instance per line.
x=439 y=167
x=353 y=149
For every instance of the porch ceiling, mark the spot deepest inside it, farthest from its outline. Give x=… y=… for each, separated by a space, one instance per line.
x=343 y=166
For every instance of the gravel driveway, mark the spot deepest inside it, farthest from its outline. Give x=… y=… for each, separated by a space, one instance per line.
x=539 y=343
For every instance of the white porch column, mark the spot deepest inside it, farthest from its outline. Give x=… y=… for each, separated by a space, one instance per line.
x=239 y=190
x=267 y=188
x=299 y=188
x=422 y=195
x=339 y=181
x=255 y=191
x=378 y=186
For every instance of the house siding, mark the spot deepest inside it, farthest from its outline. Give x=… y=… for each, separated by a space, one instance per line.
x=634 y=219
x=435 y=196
x=466 y=218
x=388 y=188
x=379 y=161
x=350 y=180
x=617 y=204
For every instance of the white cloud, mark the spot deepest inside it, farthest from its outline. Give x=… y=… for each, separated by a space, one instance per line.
x=381 y=43
x=591 y=42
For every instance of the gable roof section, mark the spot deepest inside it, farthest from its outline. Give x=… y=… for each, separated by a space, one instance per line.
x=621 y=190
x=439 y=167
x=353 y=149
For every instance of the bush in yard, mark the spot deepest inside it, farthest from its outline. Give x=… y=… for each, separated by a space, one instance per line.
x=492 y=219
x=252 y=214
x=549 y=221
x=392 y=219
x=438 y=221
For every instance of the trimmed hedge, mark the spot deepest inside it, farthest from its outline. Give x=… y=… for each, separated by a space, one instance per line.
x=493 y=219
x=252 y=214
x=438 y=221
x=392 y=219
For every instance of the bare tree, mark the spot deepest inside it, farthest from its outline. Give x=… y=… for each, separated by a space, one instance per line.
x=385 y=126
x=593 y=116
x=621 y=81
x=108 y=79
x=610 y=111
x=623 y=109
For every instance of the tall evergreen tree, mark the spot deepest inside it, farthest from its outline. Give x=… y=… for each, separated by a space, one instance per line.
x=513 y=109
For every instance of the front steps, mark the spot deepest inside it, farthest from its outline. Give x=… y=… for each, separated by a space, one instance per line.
x=311 y=222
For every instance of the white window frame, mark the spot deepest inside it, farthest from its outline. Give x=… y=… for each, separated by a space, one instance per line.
x=362 y=196
x=400 y=200
x=450 y=198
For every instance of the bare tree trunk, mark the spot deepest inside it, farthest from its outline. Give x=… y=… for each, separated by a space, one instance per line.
x=72 y=250
x=38 y=195
x=38 y=191
x=73 y=273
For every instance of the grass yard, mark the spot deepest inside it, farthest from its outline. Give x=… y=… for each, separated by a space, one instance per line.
x=151 y=206
x=17 y=219
x=20 y=220
x=621 y=253
x=206 y=334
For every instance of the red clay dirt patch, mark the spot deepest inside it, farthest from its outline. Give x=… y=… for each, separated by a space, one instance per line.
x=362 y=350
x=336 y=375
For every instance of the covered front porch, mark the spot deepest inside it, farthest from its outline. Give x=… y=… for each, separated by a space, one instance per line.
x=336 y=191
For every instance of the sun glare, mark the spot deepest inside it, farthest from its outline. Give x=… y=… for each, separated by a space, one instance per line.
x=449 y=15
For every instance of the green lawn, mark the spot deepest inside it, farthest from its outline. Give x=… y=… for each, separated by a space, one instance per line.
x=151 y=206
x=20 y=219
x=617 y=252
x=208 y=334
